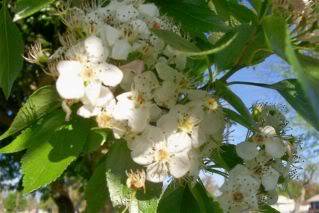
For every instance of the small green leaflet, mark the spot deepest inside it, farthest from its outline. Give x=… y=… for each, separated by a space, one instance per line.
x=40 y=103
x=26 y=8
x=44 y=162
x=11 y=51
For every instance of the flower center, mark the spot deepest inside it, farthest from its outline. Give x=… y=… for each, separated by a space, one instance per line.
x=104 y=120
x=212 y=104
x=87 y=74
x=186 y=124
x=162 y=155
x=238 y=197
x=139 y=100
x=258 y=139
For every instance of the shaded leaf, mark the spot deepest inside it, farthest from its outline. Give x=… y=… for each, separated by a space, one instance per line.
x=178 y=199
x=40 y=103
x=226 y=157
x=194 y=15
x=11 y=51
x=26 y=8
x=96 y=193
x=206 y=203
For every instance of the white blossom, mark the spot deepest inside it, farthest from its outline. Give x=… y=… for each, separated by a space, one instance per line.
x=162 y=155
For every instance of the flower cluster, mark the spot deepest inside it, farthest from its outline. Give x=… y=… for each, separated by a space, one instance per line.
x=267 y=156
x=131 y=82
x=120 y=74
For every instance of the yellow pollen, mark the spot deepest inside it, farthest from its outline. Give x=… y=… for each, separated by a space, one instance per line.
x=162 y=155
x=139 y=100
x=212 y=104
x=186 y=125
x=104 y=120
x=87 y=74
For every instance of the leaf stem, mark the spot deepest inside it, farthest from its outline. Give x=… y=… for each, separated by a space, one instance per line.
x=249 y=83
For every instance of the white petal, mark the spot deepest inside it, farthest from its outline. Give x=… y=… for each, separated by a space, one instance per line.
x=165 y=72
x=179 y=142
x=270 y=179
x=136 y=66
x=179 y=165
x=139 y=119
x=149 y=10
x=275 y=148
x=87 y=111
x=180 y=61
x=156 y=172
x=95 y=49
x=105 y=97
x=247 y=150
x=126 y=13
x=111 y=35
x=70 y=68
x=121 y=49
x=109 y=74
x=238 y=170
x=92 y=92
x=70 y=87
x=140 y=27
x=142 y=152
x=168 y=123
x=268 y=131
x=155 y=113
x=166 y=95
x=154 y=134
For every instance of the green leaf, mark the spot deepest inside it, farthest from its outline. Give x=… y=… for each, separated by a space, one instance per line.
x=234 y=116
x=248 y=47
x=178 y=199
x=177 y=42
x=36 y=133
x=11 y=51
x=116 y=176
x=206 y=203
x=306 y=67
x=26 y=8
x=187 y=48
x=226 y=157
x=96 y=193
x=224 y=92
x=242 y=13
x=44 y=162
x=194 y=15
x=40 y=103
